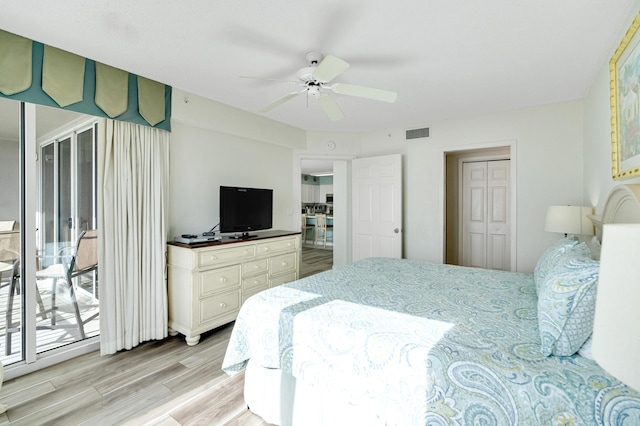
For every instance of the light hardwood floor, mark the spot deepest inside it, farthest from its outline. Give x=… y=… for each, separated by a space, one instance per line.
x=157 y=383
x=315 y=260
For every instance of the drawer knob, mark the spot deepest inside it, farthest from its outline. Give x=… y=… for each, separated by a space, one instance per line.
x=223 y=279
x=284 y=263
x=256 y=267
x=223 y=305
x=256 y=282
x=266 y=249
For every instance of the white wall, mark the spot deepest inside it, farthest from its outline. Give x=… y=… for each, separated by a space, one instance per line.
x=597 y=133
x=341 y=214
x=549 y=171
x=553 y=144
x=548 y=141
x=214 y=145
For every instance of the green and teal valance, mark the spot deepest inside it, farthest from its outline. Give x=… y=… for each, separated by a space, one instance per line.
x=34 y=72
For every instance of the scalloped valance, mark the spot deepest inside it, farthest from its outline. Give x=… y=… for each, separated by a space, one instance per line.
x=34 y=72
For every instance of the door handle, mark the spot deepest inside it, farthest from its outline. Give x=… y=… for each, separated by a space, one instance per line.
x=396 y=231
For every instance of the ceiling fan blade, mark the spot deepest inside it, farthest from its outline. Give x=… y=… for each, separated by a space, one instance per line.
x=365 y=92
x=329 y=68
x=280 y=101
x=330 y=107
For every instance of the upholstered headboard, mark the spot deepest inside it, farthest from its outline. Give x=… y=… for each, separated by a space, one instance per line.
x=622 y=206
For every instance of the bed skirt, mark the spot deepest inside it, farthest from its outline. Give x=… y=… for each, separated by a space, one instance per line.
x=280 y=399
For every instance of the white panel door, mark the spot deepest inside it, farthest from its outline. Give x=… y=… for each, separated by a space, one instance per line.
x=377 y=207
x=474 y=214
x=486 y=214
x=498 y=223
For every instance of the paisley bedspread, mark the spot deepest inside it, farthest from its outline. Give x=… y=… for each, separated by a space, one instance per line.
x=421 y=343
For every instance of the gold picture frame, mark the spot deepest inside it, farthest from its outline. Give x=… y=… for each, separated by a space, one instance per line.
x=624 y=69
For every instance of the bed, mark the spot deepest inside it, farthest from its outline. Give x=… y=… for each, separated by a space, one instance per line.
x=404 y=342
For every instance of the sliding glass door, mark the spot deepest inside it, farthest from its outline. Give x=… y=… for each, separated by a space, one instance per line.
x=47 y=200
x=68 y=205
x=68 y=199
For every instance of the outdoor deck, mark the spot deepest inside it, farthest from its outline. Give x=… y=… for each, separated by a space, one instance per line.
x=47 y=339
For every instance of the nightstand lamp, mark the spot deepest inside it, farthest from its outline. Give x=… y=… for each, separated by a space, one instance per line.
x=569 y=220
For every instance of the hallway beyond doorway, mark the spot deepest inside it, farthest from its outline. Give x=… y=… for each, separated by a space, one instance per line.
x=315 y=260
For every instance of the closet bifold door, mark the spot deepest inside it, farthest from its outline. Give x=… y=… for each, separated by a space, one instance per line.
x=485 y=214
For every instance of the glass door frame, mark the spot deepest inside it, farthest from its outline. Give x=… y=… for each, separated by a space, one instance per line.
x=72 y=136
x=29 y=208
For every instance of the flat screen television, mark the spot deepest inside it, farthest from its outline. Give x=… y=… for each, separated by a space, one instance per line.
x=243 y=210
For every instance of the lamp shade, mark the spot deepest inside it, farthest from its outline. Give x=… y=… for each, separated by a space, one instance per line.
x=586 y=225
x=569 y=220
x=616 y=330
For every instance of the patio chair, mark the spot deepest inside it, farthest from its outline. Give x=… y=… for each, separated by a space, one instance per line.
x=83 y=260
x=10 y=276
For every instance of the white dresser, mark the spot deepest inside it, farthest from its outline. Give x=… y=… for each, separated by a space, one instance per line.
x=208 y=282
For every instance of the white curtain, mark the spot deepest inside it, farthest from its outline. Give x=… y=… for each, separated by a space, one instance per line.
x=133 y=177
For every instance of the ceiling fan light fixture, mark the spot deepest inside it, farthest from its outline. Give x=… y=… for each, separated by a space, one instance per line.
x=315 y=80
x=313 y=90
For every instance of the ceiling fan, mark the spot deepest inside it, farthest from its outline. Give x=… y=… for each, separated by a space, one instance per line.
x=316 y=81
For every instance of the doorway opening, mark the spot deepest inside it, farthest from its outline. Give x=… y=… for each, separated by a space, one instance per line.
x=317 y=208
x=341 y=211
x=479 y=207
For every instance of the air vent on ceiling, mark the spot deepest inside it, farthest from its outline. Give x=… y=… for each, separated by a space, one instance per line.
x=418 y=133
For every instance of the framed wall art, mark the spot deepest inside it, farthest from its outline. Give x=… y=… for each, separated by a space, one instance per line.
x=624 y=69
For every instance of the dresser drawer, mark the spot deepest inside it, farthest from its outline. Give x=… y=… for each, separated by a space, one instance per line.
x=219 y=280
x=283 y=279
x=253 y=285
x=255 y=267
x=283 y=263
x=208 y=283
x=221 y=255
x=288 y=244
x=259 y=282
x=219 y=305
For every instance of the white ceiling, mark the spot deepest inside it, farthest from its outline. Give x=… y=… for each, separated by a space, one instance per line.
x=444 y=58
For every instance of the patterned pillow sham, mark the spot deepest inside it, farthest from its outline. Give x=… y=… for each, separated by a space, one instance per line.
x=550 y=257
x=567 y=303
